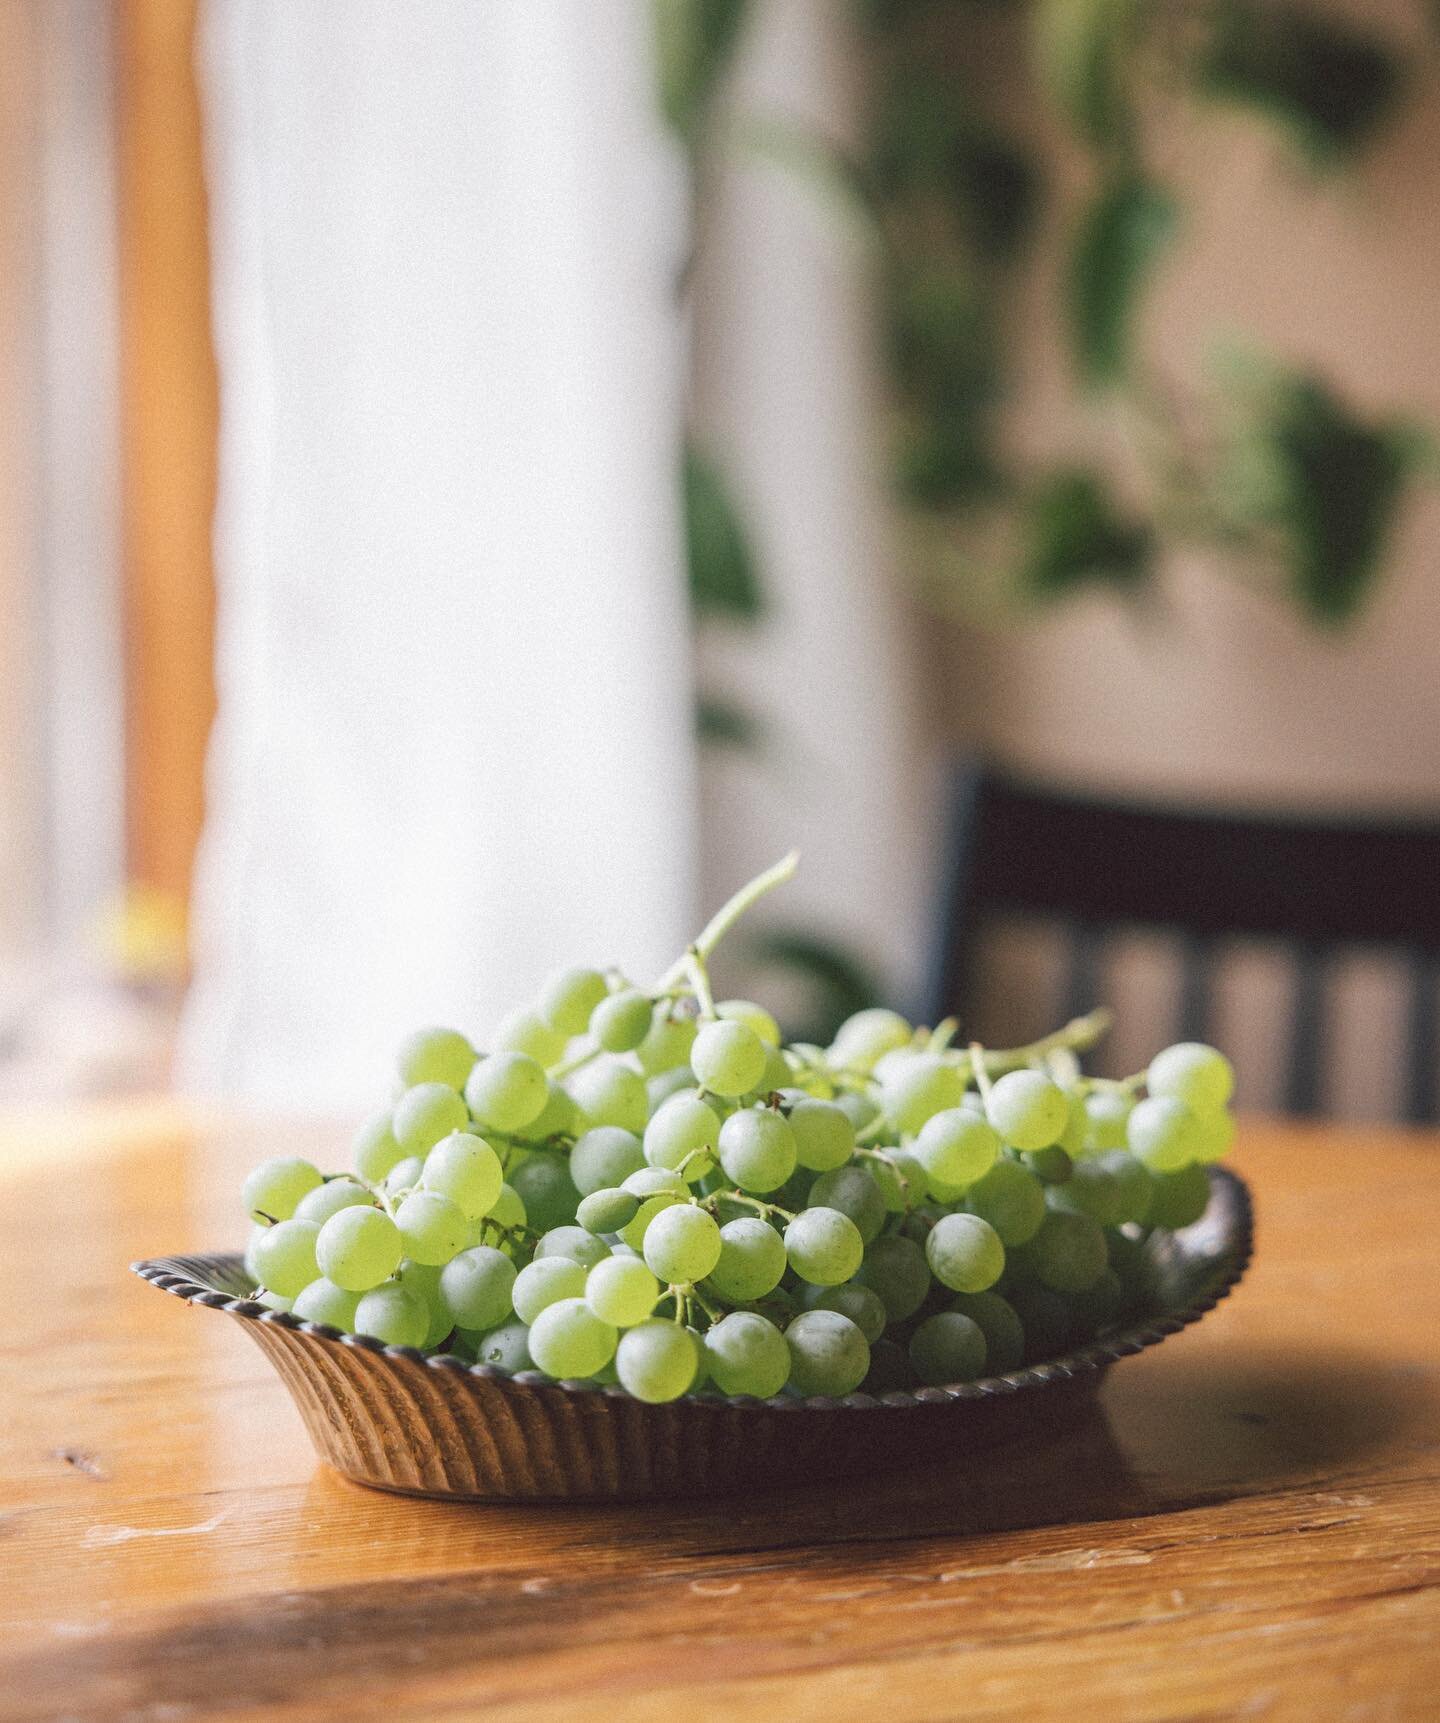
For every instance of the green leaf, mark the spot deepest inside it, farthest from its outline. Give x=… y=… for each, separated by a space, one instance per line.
x=719 y=723
x=1327 y=84
x=723 y=581
x=1077 y=538
x=995 y=189
x=1081 y=48
x=840 y=982
x=1121 y=237
x=695 y=42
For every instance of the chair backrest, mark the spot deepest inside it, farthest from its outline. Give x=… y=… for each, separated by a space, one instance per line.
x=1206 y=876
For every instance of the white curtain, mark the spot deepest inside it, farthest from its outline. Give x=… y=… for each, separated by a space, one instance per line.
x=454 y=744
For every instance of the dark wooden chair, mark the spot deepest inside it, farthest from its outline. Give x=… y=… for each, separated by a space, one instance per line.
x=1207 y=877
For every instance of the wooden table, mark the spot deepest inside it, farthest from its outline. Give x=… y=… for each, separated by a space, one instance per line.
x=1248 y=1527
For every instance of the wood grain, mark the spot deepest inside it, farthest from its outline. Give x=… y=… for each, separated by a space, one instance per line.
x=1249 y=1525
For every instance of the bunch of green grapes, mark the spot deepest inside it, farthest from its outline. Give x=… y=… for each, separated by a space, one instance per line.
x=641 y=1186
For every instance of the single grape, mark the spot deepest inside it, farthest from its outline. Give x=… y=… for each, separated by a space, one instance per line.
x=863 y=1305
x=896 y=1270
x=824 y=1246
x=422 y=1280
x=828 y=1353
x=1051 y=1166
x=285 y=1256
x=435 y=1056
x=657 y=1361
x=754 y=1017
x=778 y=1074
x=1046 y=1318
x=273 y=1189
x=374 y=1150
x=621 y=1021
x=1178 y=1199
x=682 y=1244
x=601 y=1159
x=322 y=1301
x=273 y=1301
x=746 y=1354
x=997 y=1321
x=916 y=1089
x=866 y=1037
x=543 y=1184
x=359 y=1248
x=1067 y=1253
x=557 y=1118
x=394 y=1315
x=955 y=1148
x=607 y=1211
x=1215 y=1132
x=524 y=1032
x=1099 y=1304
x=634 y=1231
x=327 y=1199
x=608 y=1092
x=1163 y=1133
x=757 y=1149
x=683 y=1130
x=752 y=1260
x=667 y=1043
x=653 y=1181
x=1011 y=1199
x=1027 y=1109
x=1112 y=1187
x=854 y=1192
x=568 y=998
x=576 y=1242
x=947 y=1348
x=727 y=1058
x=543 y=1282
x=621 y=1291
x=1107 y=1112
x=506 y=1347
x=467 y=1170
x=404 y=1175
x=426 y=1113
x=824 y=1135
x=475 y=1288
x=431 y=1227
x=567 y=1339
x=257 y=1232
x=1074 y=1137
x=965 y=1253
x=509 y=1210
x=507 y=1091
x=1194 y=1074
x=860 y=1110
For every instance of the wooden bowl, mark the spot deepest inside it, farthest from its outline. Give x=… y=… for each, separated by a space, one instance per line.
x=434 y=1425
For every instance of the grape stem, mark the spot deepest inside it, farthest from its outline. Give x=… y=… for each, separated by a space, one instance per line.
x=700 y=981
x=981 y=1074
x=761 y=1208
x=590 y=1050
x=1078 y=1034
x=726 y=916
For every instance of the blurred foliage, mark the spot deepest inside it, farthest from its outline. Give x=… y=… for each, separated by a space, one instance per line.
x=695 y=41
x=723 y=581
x=1121 y=236
x=1077 y=537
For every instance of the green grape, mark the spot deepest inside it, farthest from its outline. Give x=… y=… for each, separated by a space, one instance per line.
x=1051 y=1166
x=604 y=1158
x=523 y=1032
x=435 y=1056
x=507 y=1348
x=684 y=1126
x=576 y=1242
x=1046 y=1318
x=1011 y=1199
x=890 y=1371
x=901 y=1179
x=778 y=1073
x=1099 y=1304
x=327 y=1199
x=1111 y=1187
x=657 y=1361
x=404 y=1175
x=621 y=1021
x=507 y=1091
x=426 y=1113
x=322 y=1301
x=273 y=1189
x=633 y=1232
x=860 y=1110
x=422 y=1280
x=1192 y=1073
x=828 y=1353
x=543 y=1282
x=824 y=1135
x=653 y=1181
x=727 y=1058
x=1077 y=1128
x=1215 y=1132
x=359 y=1248
x=916 y=1087
x=682 y=1244
x=394 y=1315
x=955 y=1148
x=1163 y=1133
x=544 y=1185
x=257 y=1232
x=679 y=1081
x=965 y=1253
x=607 y=1092
x=475 y=1288
x=467 y=1170
x=1178 y=1199
x=947 y=1348
x=1027 y=1109
x=746 y=1354
x=509 y=1210
x=1068 y=1252
x=568 y=998
x=866 y=1037
x=757 y=1149
x=1107 y=1112
x=752 y=1260
x=863 y=1305
x=432 y=1228
x=273 y=1301
x=997 y=1321
x=895 y=1269
x=607 y=1210
x=568 y=1340
x=754 y=1017
x=285 y=1256
x=667 y=1043
x=621 y=1291
x=557 y=1118
x=854 y=1192
x=824 y=1246
x=374 y=1150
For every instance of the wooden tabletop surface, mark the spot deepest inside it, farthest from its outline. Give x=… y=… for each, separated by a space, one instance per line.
x=1248 y=1526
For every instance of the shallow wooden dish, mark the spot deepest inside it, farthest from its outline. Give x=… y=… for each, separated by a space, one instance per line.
x=397 y=1419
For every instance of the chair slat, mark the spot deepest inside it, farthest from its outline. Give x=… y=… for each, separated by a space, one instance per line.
x=1197 y=963
x=1307 y=1037
x=1421 y=1103
x=1082 y=988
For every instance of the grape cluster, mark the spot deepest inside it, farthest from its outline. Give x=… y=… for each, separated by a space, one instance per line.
x=642 y=1186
